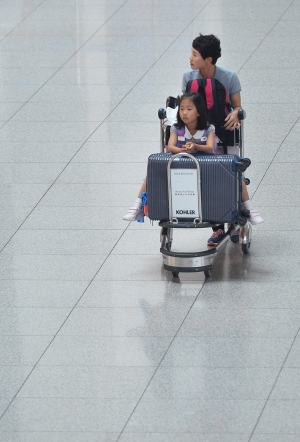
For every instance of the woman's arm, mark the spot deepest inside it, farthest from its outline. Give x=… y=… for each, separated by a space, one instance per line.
x=232 y=120
x=184 y=83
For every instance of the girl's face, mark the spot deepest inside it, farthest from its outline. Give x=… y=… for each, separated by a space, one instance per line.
x=188 y=111
x=196 y=60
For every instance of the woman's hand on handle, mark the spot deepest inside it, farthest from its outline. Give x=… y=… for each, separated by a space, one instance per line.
x=232 y=121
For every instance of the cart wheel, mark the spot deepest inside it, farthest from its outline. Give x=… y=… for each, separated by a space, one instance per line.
x=242 y=221
x=175 y=274
x=247 y=181
x=207 y=273
x=245 y=248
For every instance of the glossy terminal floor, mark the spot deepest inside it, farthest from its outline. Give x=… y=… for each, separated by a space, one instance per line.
x=98 y=343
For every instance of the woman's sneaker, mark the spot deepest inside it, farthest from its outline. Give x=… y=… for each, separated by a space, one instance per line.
x=255 y=217
x=215 y=238
x=134 y=213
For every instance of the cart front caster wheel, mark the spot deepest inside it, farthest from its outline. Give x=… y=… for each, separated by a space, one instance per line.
x=207 y=273
x=175 y=274
x=242 y=221
x=245 y=248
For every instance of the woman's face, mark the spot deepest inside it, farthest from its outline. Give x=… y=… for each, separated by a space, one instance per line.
x=196 y=61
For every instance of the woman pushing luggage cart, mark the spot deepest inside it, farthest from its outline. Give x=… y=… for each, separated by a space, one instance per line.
x=181 y=188
x=192 y=190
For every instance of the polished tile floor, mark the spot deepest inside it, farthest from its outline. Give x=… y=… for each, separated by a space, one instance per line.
x=98 y=343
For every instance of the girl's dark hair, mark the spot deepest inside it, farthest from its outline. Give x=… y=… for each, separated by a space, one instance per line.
x=208 y=46
x=201 y=109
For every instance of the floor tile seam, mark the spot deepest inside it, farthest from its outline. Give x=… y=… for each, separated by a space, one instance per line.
x=44 y=279
x=62 y=65
x=226 y=336
x=235 y=338
x=57 y=332
x=105 y=117
x=1 y=39
x=68 y=255
x=132 y=280
x=50 y=187
x=80 y=206
x=221 y=252
x=148 y=367
x=125 y=308
x=86 y=43
x=263 y=39
x=79 y=230
x=96 y=229
x=273 y=386
x=110 y=162
x=261 y=184
x=102 y=367
x=99 y=335
x=159 y=363
x=36 y=162
x=94 y=307
x=98 y=121
x=266 y=35
x=294 y=399
x=185 y=367
x=164 y=399
x=138 y=336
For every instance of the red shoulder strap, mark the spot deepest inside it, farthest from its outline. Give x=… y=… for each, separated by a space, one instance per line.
x=209 y=93
x=207 y=84
x=194 y=86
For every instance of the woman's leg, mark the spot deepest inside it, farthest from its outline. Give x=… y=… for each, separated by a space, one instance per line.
x=217 y=236
x=255 y=217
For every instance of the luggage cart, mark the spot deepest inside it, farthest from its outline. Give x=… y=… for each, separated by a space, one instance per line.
x=191 y=218
x=201 y=261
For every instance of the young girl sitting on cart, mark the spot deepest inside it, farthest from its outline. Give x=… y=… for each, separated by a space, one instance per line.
x=192 y=134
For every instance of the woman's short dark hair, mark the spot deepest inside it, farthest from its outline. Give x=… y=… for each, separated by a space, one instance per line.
x=208 y=46
x=201 y=109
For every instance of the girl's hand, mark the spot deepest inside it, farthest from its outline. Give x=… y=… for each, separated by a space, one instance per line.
x=188 y=147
